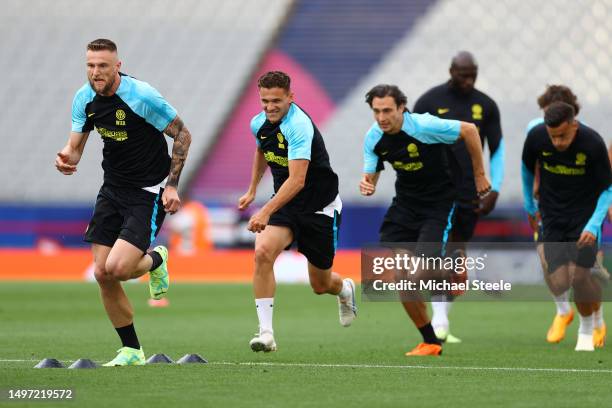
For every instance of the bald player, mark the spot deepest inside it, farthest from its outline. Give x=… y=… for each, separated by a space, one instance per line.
x=458 y=99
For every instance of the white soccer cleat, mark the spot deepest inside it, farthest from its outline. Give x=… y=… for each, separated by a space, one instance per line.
x=346 y=305
x=445 y=336
x=263 y=341
x=585 y=342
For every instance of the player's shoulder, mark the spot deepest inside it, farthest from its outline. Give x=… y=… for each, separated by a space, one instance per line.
x=137 y=88
x=296 y=121
x=537 y=133
x=84 y=94
x=533 y=123
x=296 y=116
x=484 y=99
x=590 y=135
x=372 y=136
x=257 y=122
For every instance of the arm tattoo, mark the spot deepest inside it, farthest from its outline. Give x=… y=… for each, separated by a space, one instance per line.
x=182 y=139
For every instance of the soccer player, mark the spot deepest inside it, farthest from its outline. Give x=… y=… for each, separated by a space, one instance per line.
x=562 y=284
x=422 y=210
x=305 y=208
x=459 y=99
x=574 y=196
x=140 y=183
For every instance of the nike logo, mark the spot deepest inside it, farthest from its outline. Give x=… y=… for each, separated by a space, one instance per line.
x=442 y=111
x=264 y=137
x=545 y=154
x=383 y=153
x=89 y=115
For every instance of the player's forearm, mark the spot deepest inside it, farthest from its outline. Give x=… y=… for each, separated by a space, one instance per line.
x=77 y=141
x=497 y=166
x=470 y=135
x=528 y=178
x=289 y=189
x=258 y=170
x=597 y=218
x=180 y=148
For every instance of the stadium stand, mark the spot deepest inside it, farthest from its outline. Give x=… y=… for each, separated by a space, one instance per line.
x=519 y=51
x=198 y=54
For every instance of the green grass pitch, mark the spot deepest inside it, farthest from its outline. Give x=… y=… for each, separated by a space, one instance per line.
x=503 y=361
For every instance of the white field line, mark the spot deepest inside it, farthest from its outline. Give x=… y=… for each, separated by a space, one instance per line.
x=378 y=366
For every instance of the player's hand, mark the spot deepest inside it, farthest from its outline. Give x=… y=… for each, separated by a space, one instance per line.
x=258 y=221
x=366 y=187
x=66 y=161
x=246 y=200
x=171 y=200
x=483 y=185
x=586 y=239
x=487 y=203
x=534 y=221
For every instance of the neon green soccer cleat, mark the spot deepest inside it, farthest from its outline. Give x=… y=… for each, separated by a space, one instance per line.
x=127 y=356
x=159 y=279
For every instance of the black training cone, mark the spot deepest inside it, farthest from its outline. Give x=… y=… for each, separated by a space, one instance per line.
x=191 y=358
x=49 y=363
x=83 y=363
x=159 y=359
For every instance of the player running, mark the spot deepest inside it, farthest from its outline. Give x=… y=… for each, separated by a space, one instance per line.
x=305 y=208
x=574 y=196
x=140 y=183
x=422 y=210
x=459 y=99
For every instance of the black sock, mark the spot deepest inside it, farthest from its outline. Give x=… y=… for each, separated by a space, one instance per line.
x=128 y=336
x=157 y=260
x=428 y=334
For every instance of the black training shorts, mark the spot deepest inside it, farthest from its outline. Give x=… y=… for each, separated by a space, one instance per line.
x=130 y=213
x=316 y=235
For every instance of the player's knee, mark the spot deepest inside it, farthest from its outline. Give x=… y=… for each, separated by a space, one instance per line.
x=118 y=270
x=101 y=275
x=264 y=254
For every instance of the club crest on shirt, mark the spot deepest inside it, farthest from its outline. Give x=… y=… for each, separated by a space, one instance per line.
x=120 y=115
x=281 y=140
x=477 y=112
x=413 y=150
x=580 y=159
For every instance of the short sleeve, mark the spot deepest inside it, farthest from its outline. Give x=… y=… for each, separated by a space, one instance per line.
x=256 y=124
x=371 y=161
x=80 y=124
x=431 y=129
x=299 y=134
x=157 y=111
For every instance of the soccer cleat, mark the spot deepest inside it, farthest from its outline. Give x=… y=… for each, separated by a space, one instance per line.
x=159 y=279
x=599 y=336
x=445 y=336
x=263 y=341
x=347 y=308
x=585 y=342
x=127 y=356
x=556 y=332
x=426 y=349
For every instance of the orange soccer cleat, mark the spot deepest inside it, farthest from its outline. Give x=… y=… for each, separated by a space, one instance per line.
x=426 y=349
x=556 y=332
x=599 y=336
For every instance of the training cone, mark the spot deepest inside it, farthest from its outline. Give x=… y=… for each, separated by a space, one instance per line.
x=49 y=363
x=83 y=363
x=159 y=359
x=192 y=358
